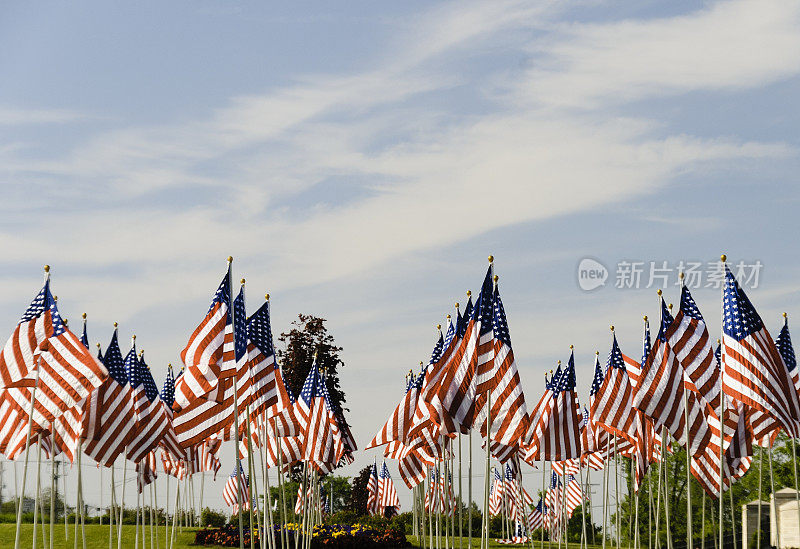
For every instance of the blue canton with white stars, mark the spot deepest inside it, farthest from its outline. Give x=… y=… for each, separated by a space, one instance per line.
x=239 y=327
x=37 y=306
x=646 y=342
x=483 y=306
x=615 y=357
x=436 y=354
x=222 y=295
x=168 y=392
x=784 y=344
x=259 y=331
x=85 y=336
x=113 y=361
x=689 y=306
x=597 y=381
x=461 y=329
x=500 y=325
x=666 y=321
x=146 y=378
x=741 y=319
x=131 y=367
x=566 y=381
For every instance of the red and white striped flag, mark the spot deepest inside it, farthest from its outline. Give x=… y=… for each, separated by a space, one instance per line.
x=612 y=406
x=389 y=503
x=237 y=489
x=753 y=371
x=152 y=421
x=108 y=420
x=202 y=355
x=559 y=436
x=373 y=499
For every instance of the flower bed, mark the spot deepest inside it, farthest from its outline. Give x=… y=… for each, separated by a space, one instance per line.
x=335 y=536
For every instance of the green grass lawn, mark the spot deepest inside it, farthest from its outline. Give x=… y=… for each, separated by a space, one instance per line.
x=476 y=542
x=96 y=537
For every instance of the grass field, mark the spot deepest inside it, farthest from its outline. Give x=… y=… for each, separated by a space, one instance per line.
x=97 y=538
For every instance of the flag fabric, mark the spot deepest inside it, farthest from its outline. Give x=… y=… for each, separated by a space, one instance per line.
x=152 y=421
x=612 y=407
x=472 y=364
x=373 y=499
x=784 y=344
x=206 y=417
x=268 y=393
x=663 y=397
x=388 y=502
x=509 y=415
x=169 y=442
x=203 y=354
x=237 y=489
x=399 y=422
x=43 y=348
x=560 y=436
x=536 y=516
x=690 y=342
x=146 y=471
x=496 y=494
x=753 y=371
x=539 y=419
x=321 y=441
x=108 y=421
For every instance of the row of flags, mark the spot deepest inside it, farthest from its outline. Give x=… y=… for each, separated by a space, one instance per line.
x=710 y=400
x=381 y=494
x=54 y=391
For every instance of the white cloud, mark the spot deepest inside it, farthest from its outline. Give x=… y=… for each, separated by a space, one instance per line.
x=727 y=46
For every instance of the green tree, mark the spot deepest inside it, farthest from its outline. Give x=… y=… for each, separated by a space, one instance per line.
x=358 y=492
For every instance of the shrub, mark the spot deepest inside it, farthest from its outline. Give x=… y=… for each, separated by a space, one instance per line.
x=212 y=519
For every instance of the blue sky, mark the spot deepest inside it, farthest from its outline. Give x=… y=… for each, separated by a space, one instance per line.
x=360 y=161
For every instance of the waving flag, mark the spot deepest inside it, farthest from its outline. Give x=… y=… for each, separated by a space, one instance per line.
x=269 y=396
x=389 y=503
x=146 y=471
x=612 y=406
x=663 y=397
x=560 y=436
x=373 y=500
x=203 y=354
x=169 y=442
x=496 y=494
x=539 y=420
x=509 y=415
x=43 y=347
x=108 y=419
x=784 y=344
x=753 y=371
x=152 y=421
x=322 y=443
x=470 y=369
x=206 y=417
x=237 y=489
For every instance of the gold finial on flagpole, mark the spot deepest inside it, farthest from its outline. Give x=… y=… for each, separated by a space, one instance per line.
x=611 y=327
x=491 y=259
x=116 y=325
x=242 y=281
x=495 y=279
x=559 y=363
x=230 y=259
x=83 y=316
x=659 y=292
x=669 y=307
x=681 y=275
x=98 y=345
x=47 y=268
x=597 y=353
x=571 y=347
x=784 y=315
x=448 y=317
x=133 y=337
x=438 y=326
x=644 y=318
x=266 y=297
x=723 y=258
x=469 y=293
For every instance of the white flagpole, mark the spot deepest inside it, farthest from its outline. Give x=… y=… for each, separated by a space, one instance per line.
x=121 y=500
x=166 y=517
x=52 y=485
x=723 y=258
x=236 y=416
x=27 y=448
x=37 y=497
x=774 y=502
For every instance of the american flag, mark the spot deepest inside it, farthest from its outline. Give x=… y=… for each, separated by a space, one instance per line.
x=688 y=336
x=43 y=347
x=471 y=366
x=536 y=516
x=516 y=498
x=146 y=471
x=559 y=437
x=389 y=503
x=169 y=443
x=203 y=353
x=322 y=443
x=593 y=438
x=612 y=406
x=206 y=417
x=399 y=423
x=539 y=418
x=753 y=371
x=662 y=394
x=784 y=344
x=509 y=415
x=269 y=396
x=152 y=421
x=574 y=494
x=429 y=414
x=373 y=502
x=496 y=494
x=108 y=419
x=237 y=489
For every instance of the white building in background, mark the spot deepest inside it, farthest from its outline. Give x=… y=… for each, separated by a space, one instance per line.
x=778 y=516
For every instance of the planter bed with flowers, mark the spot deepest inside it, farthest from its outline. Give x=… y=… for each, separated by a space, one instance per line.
x=335 y=536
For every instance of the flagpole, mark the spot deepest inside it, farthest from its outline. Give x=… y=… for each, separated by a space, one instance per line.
x=616 y=488
x=544 y=500
x=469 y=490
x=175 y=512
x=281 y=494
x=38 y=488
x=166 y=516
x=251 y=469
x=606 y=466
x=664 y=435
x=52 y=485
x=703 y=525
x=121 y=499
x=112 y=513
x=723 y=258
x=154 y=507
x=236 y=412
x=461 y=499
x=658 y=498
x=774 y=502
